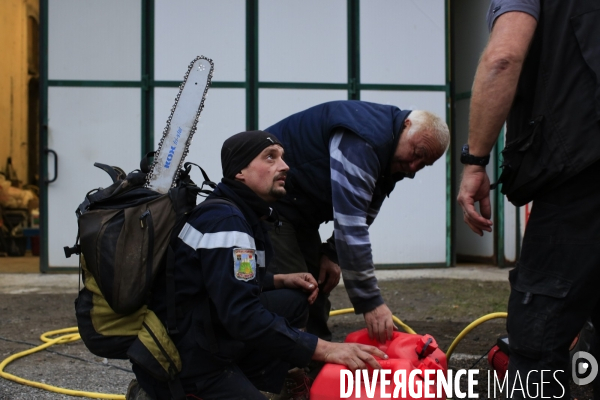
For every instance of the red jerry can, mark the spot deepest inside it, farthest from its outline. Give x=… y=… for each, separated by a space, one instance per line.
x=407 y=353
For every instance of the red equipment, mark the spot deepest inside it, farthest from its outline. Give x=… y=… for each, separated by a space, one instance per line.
x=406 y=352
x=498 y=357
x=498 y=360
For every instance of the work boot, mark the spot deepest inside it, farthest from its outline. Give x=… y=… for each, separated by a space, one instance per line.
x=135 y=392
x=296 y=386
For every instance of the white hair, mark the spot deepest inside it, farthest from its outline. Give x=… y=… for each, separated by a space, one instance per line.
x=425 y=121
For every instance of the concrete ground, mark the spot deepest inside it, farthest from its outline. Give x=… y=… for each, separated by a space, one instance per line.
x=32 y=303
x=30 y=282
x=21 y=275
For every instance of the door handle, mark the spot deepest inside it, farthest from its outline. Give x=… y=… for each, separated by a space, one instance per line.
x=46 y=151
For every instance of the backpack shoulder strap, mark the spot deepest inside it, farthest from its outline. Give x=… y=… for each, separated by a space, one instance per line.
x=216 y=200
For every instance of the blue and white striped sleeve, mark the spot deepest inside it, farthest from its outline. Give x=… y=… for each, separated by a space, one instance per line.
x=354 y=171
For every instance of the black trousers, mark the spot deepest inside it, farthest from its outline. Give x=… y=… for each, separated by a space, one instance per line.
x=298 y=249
x=254 y=369
x=555 y=287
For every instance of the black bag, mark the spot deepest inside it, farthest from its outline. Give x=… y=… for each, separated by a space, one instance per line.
x=125 y=231
x=531 y=164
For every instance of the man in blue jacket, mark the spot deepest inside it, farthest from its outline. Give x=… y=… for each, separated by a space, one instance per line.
x=237 y=334
x=345 y=157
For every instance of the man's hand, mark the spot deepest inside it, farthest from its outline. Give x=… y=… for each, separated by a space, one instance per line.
x=300 y=280
x=475 y=187
x=353 y=355
x=492 y=95
x=329 y=274
x=380 y=323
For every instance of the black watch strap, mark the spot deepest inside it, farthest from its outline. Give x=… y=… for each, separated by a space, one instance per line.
x=470 y=159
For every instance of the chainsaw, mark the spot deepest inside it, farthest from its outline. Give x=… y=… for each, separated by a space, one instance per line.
x=181 y=126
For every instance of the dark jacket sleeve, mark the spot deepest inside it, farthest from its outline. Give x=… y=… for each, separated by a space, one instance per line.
x=236 y=301
x=268 y=282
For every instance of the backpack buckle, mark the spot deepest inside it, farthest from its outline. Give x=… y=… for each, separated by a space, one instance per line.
x=69 y=251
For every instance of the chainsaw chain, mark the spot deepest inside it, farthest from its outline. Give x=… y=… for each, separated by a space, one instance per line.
x=186 y=148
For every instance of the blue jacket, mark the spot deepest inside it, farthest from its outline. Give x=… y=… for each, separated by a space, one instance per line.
x=206 y=283
x=305 y=137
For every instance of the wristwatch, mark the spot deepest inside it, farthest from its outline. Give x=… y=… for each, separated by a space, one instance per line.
x=466 y=158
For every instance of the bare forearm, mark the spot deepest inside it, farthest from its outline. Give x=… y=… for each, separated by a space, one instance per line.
x=496 y=79
x=493 y=92
x=322 y=351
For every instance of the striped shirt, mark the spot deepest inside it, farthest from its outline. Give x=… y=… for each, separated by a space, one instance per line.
x=354 y=171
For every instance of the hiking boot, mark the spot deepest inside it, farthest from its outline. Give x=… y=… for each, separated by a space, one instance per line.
x=296 y=386
x=135 y=392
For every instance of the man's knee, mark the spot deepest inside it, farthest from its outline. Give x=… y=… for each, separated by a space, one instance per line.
x=299 y=305
x=288 y=303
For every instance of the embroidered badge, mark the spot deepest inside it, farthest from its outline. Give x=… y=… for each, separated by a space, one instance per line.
x=244 y=264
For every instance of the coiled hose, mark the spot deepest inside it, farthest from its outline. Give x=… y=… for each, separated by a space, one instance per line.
x=71 y=335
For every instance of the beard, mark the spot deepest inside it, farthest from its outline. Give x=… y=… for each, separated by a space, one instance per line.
x=277 y=192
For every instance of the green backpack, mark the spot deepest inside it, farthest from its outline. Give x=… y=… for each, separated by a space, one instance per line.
x=124 y=242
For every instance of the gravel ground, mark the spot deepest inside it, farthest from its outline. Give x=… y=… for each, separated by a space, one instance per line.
x=440 y=307
x=24 y=318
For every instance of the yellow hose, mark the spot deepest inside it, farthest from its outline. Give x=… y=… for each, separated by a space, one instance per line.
x=470 y=327
x=457 y=340
x=397 y=320
x=71 y=335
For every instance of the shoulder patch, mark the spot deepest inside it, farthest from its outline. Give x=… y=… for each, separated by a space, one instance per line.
x=244 y=264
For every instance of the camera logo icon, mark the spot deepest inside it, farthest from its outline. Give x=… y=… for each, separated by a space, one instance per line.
x=584 y=368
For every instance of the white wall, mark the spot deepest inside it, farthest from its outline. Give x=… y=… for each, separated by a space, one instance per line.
x=402 y=42
x=89 y=40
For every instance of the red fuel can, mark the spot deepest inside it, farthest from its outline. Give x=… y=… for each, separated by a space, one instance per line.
x=411 y=369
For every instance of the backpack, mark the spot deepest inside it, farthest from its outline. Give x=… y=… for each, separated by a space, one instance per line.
x=124 y=242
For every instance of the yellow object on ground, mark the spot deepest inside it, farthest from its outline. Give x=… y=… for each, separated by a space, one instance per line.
x=71 y=335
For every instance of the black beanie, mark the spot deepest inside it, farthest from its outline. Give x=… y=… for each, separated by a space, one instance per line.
x=239 y=150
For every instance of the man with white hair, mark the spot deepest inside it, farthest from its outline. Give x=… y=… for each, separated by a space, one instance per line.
x=345 y=157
